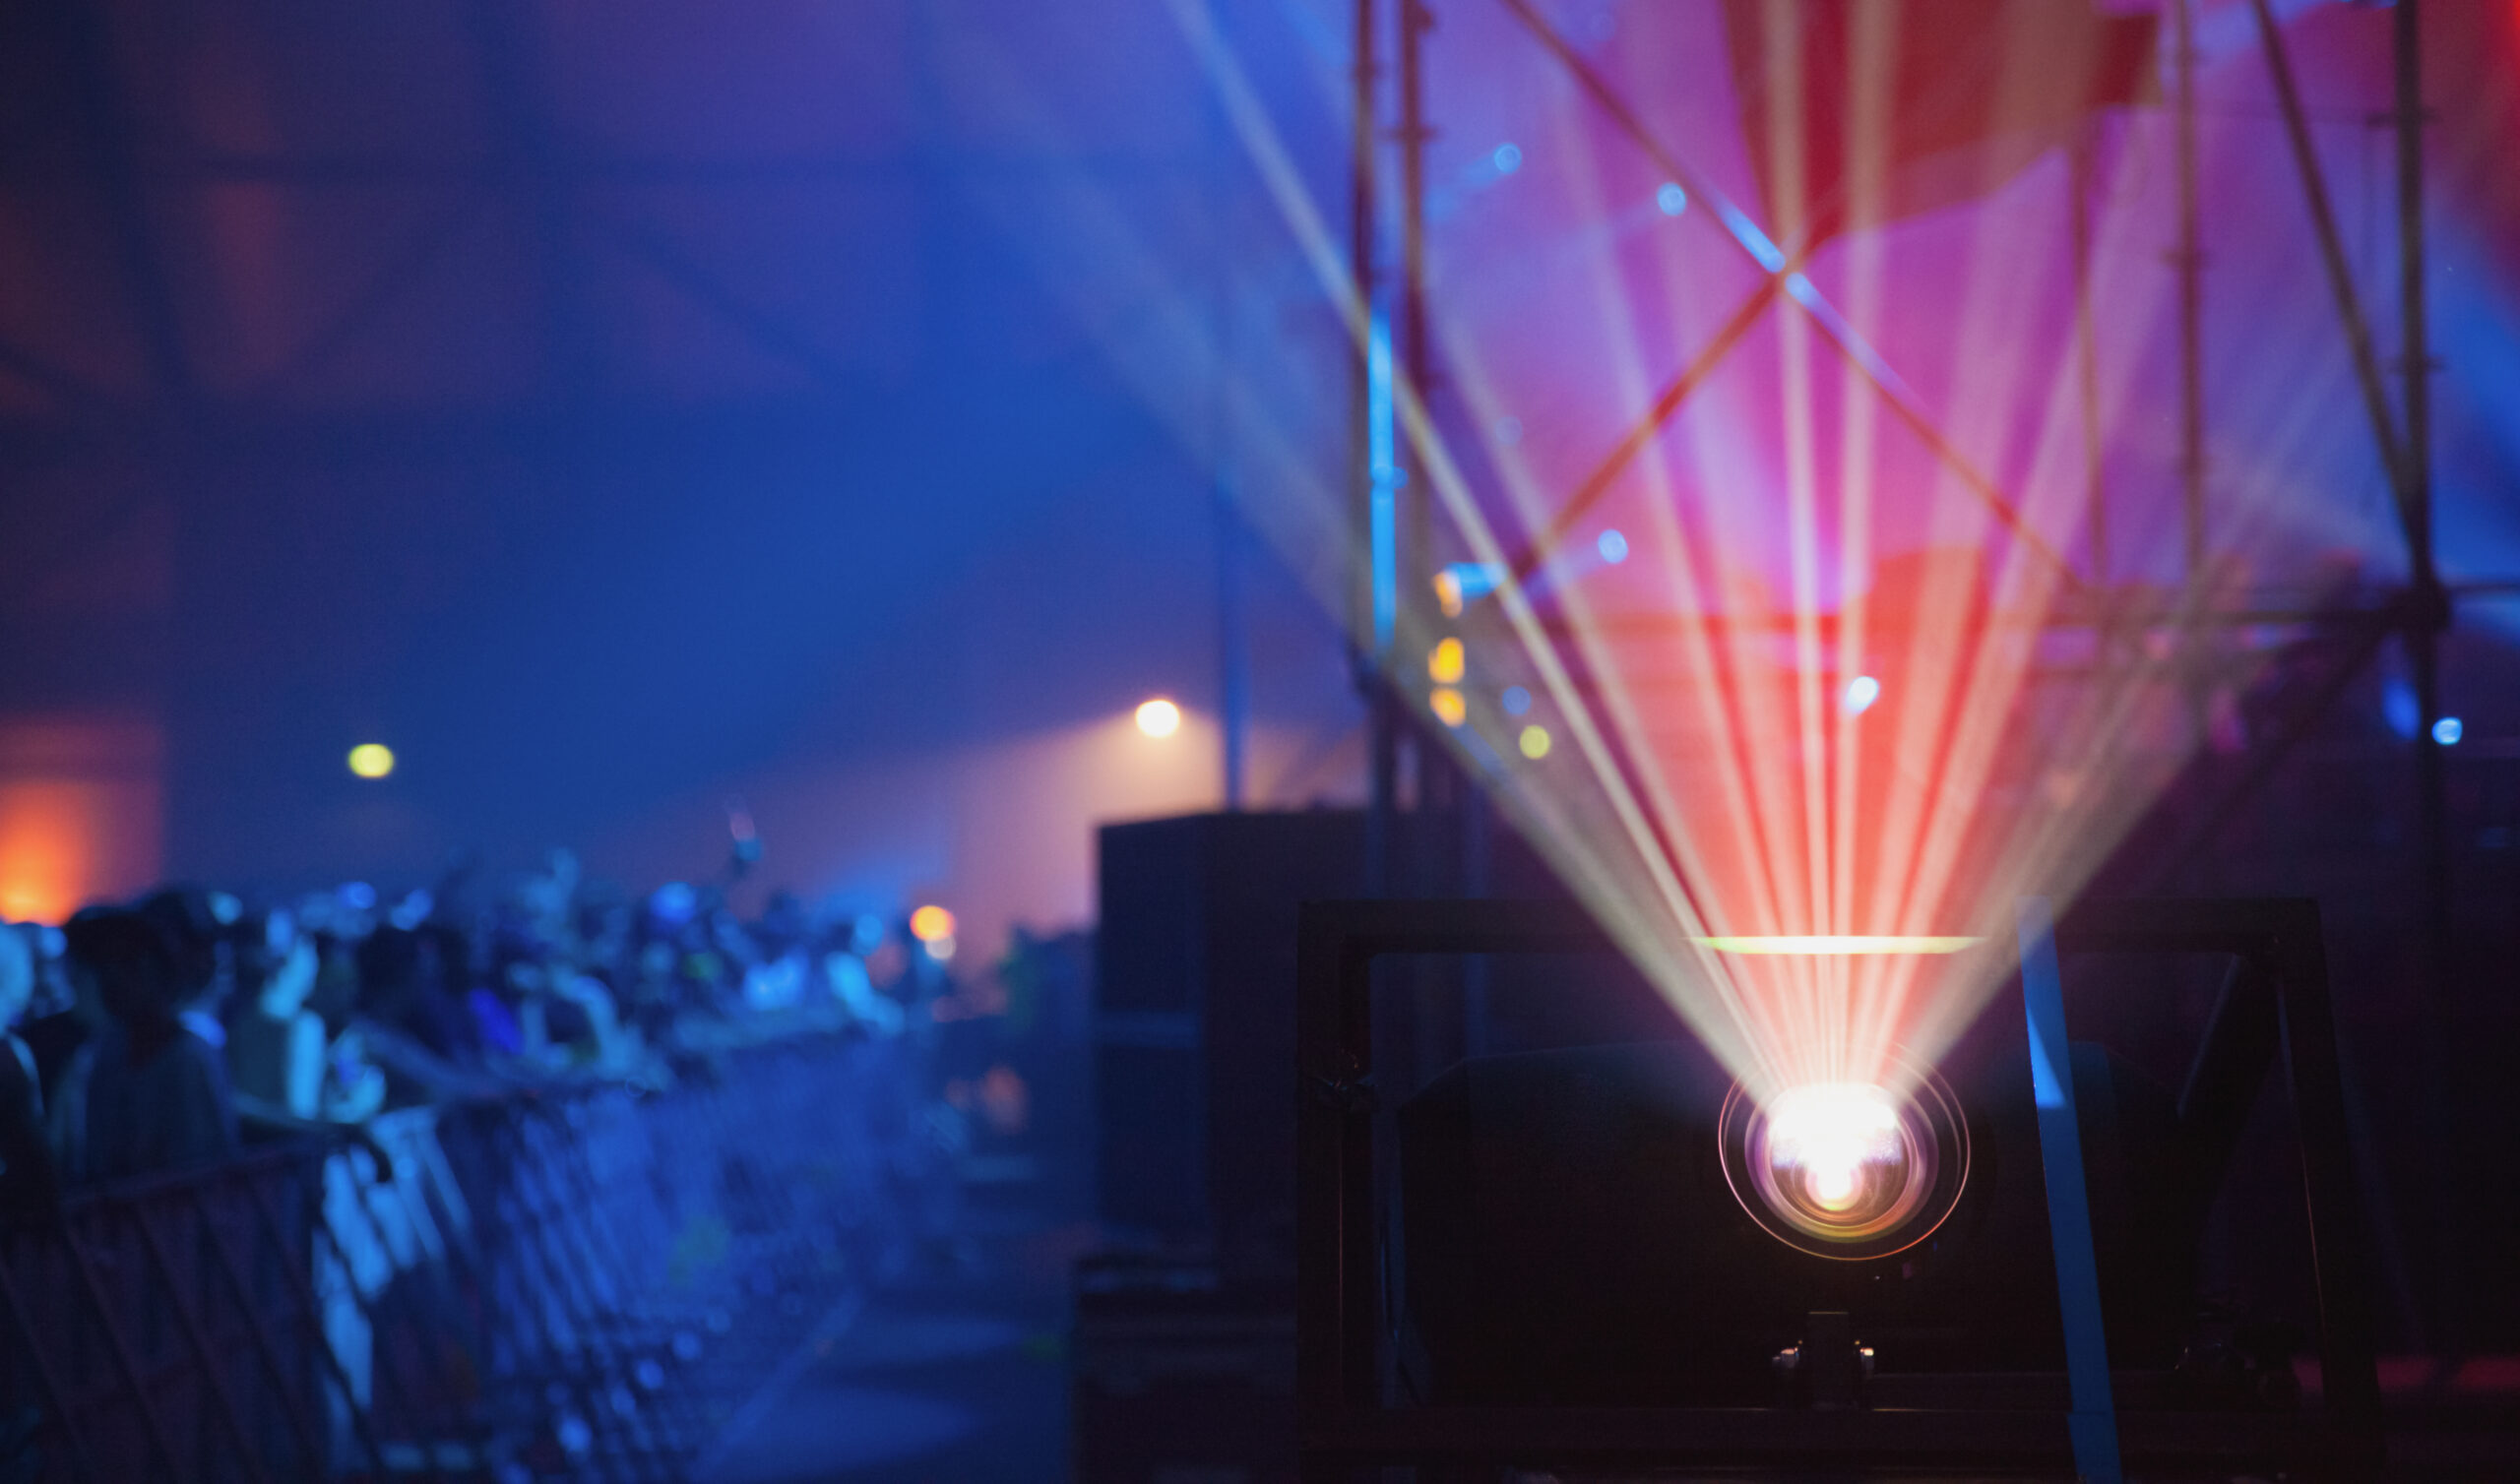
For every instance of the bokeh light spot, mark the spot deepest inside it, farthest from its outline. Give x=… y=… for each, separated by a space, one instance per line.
x=1446 y=663
x=1448 y=706
x=1158 y=718
x=371 y=760
x=1534 y=742
x=931 y=924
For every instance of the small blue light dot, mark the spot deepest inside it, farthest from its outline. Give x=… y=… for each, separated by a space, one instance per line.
x=2398 y=708
x=1614 y=547
x=1671 y=199
x=1517 y=700
x=2448 y=730
x=1509 y=159
x=1861 y=692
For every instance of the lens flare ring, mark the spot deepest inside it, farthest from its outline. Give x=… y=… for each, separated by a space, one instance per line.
x=1848 y=1171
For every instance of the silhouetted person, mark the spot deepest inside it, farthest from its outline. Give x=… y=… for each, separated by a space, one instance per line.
x=30 y=1186
x=154 y=1093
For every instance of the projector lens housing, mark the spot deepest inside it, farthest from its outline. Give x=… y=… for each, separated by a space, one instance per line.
x=1845 y=1170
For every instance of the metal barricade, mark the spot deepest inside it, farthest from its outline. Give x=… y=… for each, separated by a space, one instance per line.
x=579 y=1283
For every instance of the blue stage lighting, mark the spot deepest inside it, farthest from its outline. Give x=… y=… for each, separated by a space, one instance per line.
x=2448 y=730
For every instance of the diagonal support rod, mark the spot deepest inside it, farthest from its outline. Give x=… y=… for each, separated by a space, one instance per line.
x=1784 y=273
x=2340 y=276
x=1605 y=473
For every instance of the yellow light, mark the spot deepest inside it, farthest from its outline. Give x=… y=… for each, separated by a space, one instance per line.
x=1534 y=742
x=932 y=924
x=1448 y=593
x=371 y=760
x=1158 y=718
x=1836 y=945
x=1447 y=705
x=1445 y=665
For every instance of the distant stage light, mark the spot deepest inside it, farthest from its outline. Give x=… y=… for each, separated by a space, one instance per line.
x=2400 y=709
x=1838 y=945
x=1516 y=701
x=1534 y=742
x=1462 y=584
x=1671 y=199
x=371 y=760
x=931 y=924
x=1508 y=158
x=2448 y=730
x=1612 y=546
x=1847 y=1170
x=1158 y=718
x=1861 y=692
x=1448 y=706
x=940 y=948
x=1446 y=663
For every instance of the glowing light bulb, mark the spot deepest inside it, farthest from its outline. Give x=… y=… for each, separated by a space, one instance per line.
x=1829 y=1132
x=1158 y=718
x=371 y=760
x=1445 y=664
x=1832 y=1184
x=1448 y=593
x=1448 y=706
x=932 y=924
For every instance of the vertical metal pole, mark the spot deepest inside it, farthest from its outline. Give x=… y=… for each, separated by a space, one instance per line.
x=2093 y=1422
x=2189 y=256
x=2428 y=615
x=1233 y=645
x=1381 y=766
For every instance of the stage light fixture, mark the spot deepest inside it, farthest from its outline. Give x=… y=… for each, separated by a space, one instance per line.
x=2448 y=730
x=371 y=760
x=931 y=924
x=1847 y=1170
x=1860 y=693
x=1158 y=718
x=1448 y=706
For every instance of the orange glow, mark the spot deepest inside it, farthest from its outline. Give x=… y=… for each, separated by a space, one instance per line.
x=79 y=814
x=931 y=924
x=1447 y=705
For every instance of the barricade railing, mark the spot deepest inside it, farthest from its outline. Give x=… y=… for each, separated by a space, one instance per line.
x=580 y=1283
